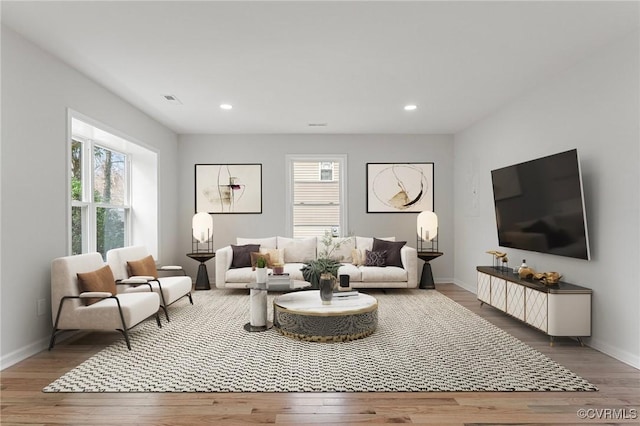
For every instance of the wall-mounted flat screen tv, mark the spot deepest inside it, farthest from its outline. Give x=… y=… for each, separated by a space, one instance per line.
x=540 y=206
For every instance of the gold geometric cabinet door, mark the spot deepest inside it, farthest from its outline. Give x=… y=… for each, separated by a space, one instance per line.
x=484 y=288
x=536 y=309
x=515 y=300
x=499 y=293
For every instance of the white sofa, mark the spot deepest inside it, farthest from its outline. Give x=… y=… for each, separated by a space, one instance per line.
x=295 y=252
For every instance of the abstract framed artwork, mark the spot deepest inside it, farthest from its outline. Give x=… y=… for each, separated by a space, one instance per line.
x=228 y=188
x=399 y=187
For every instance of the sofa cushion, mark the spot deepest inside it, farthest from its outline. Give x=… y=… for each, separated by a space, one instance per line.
x=294 y=270
x=355 y=275
x=256 y=255
x=366 y=243
x=145 y=267
x=298 y=250
x=375 y=258
x=242 y=255
x=262 y=242
x=240 y=275
x=388 y=274
x=392 y=248
x=100 y=280
x=342 y=253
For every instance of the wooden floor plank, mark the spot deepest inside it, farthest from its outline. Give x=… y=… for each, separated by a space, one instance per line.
x=22 y=401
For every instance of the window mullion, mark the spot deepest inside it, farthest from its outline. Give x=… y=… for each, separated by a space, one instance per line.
x=91 y=210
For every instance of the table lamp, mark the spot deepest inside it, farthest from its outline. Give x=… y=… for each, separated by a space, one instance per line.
x=202 y=230
x=427 y=229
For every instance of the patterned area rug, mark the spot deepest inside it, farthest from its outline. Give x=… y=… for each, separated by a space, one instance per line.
x=424 y=342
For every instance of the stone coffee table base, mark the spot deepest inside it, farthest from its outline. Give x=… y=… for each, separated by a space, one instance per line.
x=330 y=327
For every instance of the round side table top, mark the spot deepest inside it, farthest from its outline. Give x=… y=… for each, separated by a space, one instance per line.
x=201 y=257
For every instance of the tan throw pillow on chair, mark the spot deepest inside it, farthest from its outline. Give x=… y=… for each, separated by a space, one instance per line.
x=144 y=266
x=101 y=280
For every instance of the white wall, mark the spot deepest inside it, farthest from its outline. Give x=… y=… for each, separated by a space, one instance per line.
x=270 y=151
x=594 y=107
x=37 y=89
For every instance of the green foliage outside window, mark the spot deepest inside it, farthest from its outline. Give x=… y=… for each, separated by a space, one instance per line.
x=110 y=222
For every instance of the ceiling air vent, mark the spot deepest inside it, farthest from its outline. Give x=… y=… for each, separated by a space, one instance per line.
x=317 y=124
x=172 y=99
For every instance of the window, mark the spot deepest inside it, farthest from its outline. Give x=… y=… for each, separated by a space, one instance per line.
x=316 y=192
x=100 y=208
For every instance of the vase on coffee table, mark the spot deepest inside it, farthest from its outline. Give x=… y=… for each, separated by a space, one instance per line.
x=327 y=283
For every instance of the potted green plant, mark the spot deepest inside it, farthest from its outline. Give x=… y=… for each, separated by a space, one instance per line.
x=313 y=270
x=261 y=270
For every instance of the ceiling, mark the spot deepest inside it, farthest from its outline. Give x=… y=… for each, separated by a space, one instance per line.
x=351 y=65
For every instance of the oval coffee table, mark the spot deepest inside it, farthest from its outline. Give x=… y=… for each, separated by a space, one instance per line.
x=301 y=315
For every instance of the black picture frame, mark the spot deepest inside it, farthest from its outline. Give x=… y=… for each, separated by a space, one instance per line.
x=228 y=188
x=400 y=187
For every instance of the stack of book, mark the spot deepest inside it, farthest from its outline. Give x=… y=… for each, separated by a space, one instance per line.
x=278 y=281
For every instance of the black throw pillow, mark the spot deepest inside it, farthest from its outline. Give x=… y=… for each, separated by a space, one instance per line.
x=242 y=255
x=375 y=258
x=392 y=248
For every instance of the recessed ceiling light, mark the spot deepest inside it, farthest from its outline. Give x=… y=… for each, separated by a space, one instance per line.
x=225 y=106
x=410 y=107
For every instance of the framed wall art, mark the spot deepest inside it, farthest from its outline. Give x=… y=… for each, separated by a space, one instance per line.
x=228 y=188
x=399 y=187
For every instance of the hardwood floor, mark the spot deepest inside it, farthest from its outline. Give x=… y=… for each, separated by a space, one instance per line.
x=617 y=402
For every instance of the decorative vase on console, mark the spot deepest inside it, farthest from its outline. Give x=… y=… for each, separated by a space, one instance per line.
x=327 y=284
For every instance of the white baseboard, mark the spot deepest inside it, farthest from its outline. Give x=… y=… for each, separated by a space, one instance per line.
x=23 y=353
x=469 y=287
x=623 y=356
x=31 y=349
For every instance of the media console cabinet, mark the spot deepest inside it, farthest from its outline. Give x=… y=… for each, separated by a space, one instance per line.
x=560 y=310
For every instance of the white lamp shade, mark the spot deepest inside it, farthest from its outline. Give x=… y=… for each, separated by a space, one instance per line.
x=427 y=225
x=202 y=225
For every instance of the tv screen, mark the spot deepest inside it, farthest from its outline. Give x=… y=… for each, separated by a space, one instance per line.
x=540 y=207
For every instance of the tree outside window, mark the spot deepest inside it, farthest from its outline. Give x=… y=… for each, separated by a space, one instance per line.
x=100 y=205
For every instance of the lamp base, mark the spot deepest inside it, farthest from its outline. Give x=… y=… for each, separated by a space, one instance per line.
x=426 y=279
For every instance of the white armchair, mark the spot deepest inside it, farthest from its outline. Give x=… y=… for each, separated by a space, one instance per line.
x=170 y=289
x=112 y=312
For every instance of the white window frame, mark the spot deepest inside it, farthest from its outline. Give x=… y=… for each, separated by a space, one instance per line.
x=87 y=204
x=341 y=159
x=145 y=215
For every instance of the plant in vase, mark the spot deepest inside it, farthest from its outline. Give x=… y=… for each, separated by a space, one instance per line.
x=261 y=270
x=323 y=271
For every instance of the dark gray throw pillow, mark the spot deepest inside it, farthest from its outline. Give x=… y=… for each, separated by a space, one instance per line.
x=242 y=255
x=393 y=250
x=375 y=258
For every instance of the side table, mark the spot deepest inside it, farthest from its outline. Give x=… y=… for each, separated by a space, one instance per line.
x=426 y=279
x=202 y=280
x=258 y=308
